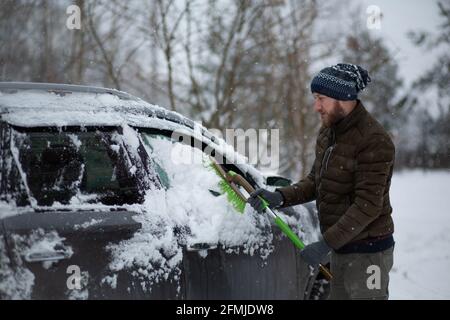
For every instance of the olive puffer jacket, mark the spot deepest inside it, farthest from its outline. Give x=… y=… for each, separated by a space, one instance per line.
x=350 y=180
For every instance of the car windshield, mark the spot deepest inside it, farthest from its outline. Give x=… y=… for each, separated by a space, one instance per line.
x=74 y=167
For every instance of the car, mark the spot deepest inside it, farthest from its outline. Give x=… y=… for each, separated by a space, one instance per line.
x=97 y=201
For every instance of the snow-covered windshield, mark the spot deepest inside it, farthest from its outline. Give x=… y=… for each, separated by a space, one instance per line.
x=72 y=167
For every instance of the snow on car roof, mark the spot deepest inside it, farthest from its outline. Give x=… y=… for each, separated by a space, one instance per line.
x=41 y=105
x=63 y=104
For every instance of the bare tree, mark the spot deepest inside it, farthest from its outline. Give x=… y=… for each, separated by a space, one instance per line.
x=111 y=30
x=163 y=29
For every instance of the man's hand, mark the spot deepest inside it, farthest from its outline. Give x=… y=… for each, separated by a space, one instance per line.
x=315 y=253
x=275 y=199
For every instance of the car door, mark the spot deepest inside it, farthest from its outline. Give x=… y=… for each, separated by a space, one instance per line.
x=63 y=253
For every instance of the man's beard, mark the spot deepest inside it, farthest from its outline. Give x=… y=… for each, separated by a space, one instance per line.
x=336 y=114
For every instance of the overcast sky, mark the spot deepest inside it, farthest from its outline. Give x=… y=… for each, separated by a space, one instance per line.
x=399 y=17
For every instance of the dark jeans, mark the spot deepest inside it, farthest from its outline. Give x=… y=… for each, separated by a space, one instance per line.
x=361 y=275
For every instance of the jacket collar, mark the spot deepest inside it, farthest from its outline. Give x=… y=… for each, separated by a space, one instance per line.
x=351 y=119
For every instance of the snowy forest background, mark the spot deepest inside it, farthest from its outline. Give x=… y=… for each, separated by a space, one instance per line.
x=236 y=64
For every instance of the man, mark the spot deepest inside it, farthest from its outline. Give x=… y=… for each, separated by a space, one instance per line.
x=350 y=181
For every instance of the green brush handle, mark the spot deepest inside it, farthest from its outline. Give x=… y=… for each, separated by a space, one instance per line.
x=299 y=244
x=285 y=227
x=289 y=233
x=265 y=203
x=236 y=178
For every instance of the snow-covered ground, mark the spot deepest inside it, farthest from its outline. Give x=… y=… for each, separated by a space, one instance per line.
x=421 y=209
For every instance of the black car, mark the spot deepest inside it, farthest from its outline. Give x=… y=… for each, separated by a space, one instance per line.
x=93 y=206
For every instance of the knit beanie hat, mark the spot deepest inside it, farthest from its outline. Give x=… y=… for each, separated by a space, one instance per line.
x=341 y=82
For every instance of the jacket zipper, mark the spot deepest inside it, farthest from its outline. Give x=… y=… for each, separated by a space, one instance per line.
x=329 y=156
x=329 y=151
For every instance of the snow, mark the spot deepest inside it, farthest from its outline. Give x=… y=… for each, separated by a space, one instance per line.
x=184 y=214
x=31 y=108
x=39 y=108
x=210 y=219
x=75 y=140
x=87 y=224
x=420 y=202
x=115 y=148
x=81 y=293
x=35 y=107
x=15 y=283
x=36 y=117
x=131 y=138
x=40 y=242
x=111 y=281
x=8 y=209
x=18 y=138
x=38 y=99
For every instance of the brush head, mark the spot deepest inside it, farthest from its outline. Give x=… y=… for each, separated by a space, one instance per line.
x=233 y=198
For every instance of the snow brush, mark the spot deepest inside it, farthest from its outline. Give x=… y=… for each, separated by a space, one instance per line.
x=234 y=195
x=229 y=185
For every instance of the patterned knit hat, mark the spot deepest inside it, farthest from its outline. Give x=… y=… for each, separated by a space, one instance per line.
x=341 y=82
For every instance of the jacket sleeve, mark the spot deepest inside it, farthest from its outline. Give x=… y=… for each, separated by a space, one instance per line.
x=300 y=192
x=374 y=163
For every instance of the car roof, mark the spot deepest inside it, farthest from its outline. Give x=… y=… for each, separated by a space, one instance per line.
x=30 y=99
x=62 y=88
x=27 y=104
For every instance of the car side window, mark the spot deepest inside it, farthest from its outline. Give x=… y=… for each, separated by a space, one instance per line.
x=158 y=161
x=182 y=166
x=172 y=158
x=73 y=167
x=12 y=188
